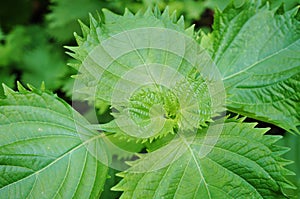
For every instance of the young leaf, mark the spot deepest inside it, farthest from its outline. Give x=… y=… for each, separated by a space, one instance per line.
x=244 y=163
x=46 y=151
x=257 y=52
x=152 y=72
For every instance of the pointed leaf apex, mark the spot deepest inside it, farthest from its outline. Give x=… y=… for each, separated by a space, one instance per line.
x=157 y=12
x=20 y=87
x=148 y=12
x=78 y=38
x=190 y=30
x=166 y=13
x=139 y=13
x=128 y=12
x=180 y=22
x=100 y=16
x=93 y=21
x=7 y=90
x=174 y=17
x=84 y=28
x=43 y=86
x=107 y=14
x=31 y=87
x=71 y=55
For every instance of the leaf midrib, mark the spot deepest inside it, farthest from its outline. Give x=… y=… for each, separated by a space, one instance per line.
x=56 y=160
x=259 y=61
x=198 y=166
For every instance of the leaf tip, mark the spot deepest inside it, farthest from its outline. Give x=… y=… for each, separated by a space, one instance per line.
x=7 y=90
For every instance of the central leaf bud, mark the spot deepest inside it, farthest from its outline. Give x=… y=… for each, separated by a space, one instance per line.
x=155 y=101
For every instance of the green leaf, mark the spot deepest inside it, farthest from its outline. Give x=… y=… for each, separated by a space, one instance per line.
x=157 y=80
x=46 y=151
x=257 y=52
x=242 y=163
x=293 y=141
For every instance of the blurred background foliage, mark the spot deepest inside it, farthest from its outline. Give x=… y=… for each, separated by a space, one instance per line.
x=33 y=33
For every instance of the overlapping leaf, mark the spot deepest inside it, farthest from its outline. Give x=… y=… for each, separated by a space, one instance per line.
x=257 y=51
x=46 y=151
x=244 y=163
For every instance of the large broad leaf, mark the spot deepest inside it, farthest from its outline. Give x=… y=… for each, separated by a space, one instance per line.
x=257 y=51
x=243 y=163
x=45 y=149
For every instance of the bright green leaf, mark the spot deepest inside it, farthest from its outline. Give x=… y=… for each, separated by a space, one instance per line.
x=46 y=151
x=156 y=84
x=257 y=52
x=243 y=163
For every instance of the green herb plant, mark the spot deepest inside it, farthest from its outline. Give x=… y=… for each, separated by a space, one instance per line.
x=180 y=100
